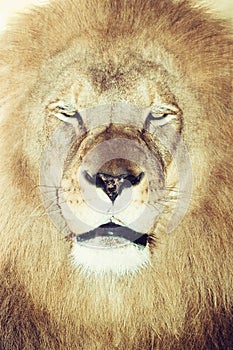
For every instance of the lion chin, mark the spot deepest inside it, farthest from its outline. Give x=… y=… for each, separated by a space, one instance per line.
x=115 y=177
x=118 y=261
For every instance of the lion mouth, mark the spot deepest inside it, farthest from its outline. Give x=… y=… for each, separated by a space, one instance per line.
x=111 y=235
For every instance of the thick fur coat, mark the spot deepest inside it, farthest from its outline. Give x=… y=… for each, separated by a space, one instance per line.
x=97 y=52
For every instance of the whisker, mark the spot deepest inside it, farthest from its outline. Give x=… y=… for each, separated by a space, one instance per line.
x=160 y=202
x=49 y=186
x=57 y=209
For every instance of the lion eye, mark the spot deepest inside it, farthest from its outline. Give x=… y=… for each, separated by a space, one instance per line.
x=159 y=117
x=71 y=118
x=66 y=113
x=67 y=117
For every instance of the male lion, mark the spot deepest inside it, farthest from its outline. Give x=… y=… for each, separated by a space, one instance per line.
x=114 y=112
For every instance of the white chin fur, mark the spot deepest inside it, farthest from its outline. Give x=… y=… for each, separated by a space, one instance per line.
x=120 y=261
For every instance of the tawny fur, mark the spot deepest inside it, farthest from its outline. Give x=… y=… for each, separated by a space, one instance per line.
x=184 y=299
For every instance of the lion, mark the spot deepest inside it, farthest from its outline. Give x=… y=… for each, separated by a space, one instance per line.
x=116 y=177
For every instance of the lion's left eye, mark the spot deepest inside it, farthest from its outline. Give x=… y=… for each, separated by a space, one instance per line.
x=159 y=117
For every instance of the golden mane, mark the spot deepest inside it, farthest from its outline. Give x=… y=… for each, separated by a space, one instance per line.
x=183 y=300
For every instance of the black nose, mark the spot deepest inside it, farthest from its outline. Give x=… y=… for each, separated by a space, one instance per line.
x=113 y=185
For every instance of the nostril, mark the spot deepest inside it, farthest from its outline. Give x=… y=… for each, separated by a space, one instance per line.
x=113 y=185
x=134 y=180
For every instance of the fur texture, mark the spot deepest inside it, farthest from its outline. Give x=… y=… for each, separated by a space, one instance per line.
x=95 y=52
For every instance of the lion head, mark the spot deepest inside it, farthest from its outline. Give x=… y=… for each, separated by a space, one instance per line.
x=115 y=206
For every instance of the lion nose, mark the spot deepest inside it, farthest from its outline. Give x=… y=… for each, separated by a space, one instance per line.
x=113 y=185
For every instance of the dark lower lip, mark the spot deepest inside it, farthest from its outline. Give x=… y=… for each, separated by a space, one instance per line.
x=113 y=230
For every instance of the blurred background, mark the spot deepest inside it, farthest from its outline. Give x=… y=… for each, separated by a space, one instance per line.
x=223 y=7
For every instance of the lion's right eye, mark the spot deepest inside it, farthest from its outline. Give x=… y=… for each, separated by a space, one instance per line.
x=72 y=117
x=66 y=113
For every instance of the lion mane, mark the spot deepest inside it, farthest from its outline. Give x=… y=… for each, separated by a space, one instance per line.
x=183 y=298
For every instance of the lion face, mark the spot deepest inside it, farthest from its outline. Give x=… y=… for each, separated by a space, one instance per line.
x=119 y=167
